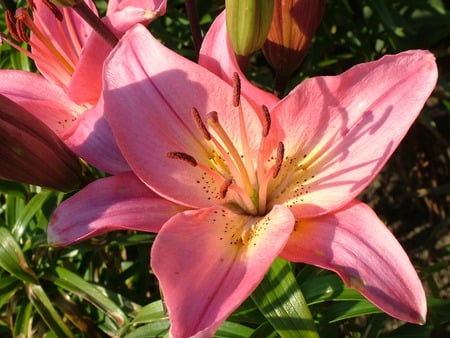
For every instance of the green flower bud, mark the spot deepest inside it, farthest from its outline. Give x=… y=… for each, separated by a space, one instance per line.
x=293 y=27
x=32 y=153
x=248 y=22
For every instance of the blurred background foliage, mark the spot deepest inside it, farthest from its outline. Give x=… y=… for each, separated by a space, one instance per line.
x=104 y=286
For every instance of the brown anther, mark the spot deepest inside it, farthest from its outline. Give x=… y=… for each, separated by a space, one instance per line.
x=11 y=25
x=55 y=10
x=279 y=161
x=267 y=121
x=21 y=31
x=224 y=188
x=236 y=89
x=200 y=125
x=182 y=156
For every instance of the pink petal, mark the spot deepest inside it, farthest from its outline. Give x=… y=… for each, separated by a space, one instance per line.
x=86 y=84
x=217 y=55
x=205 y=270
x=156 y=6
x=91 y=138
x=149 y=94
x=120 y=202
x=347 y=126
x=45 y=100
x=355 y=244
x=122 y=15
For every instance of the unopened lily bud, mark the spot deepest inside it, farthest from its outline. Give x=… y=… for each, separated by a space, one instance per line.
x=32 y=153
x=248 y=22
x=293 y=27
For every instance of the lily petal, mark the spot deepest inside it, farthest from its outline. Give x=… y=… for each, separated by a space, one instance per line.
x=217 y=55
x=40 y=97
x=91 y=138
x=355 y=244
x=140 y=70
x=200 y=296
x=86 y=84
x=120 y=202
x=343 y=129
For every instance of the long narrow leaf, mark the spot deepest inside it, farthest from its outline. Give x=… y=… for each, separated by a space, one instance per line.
x=12 y=259
x=91 y=293
x=48 y=313
x=280 y=300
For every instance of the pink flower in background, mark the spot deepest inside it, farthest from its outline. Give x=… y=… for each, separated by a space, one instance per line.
x=70 y=57
x=241 y=181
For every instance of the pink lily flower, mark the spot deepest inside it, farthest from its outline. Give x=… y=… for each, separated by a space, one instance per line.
x=254 y=181
x=70 y=57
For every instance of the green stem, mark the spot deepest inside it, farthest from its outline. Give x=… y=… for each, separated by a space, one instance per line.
x=281 y=301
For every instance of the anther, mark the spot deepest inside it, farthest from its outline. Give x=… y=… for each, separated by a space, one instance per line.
x=267 y=121
x=200 y=125
x=182 y=156
x=21 y=32
x=236 y=90
x=224 y=188
x=279 y=161
x=11 y=25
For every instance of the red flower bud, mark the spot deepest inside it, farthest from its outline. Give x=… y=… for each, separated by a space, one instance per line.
x=293 y=26
x=32 y=153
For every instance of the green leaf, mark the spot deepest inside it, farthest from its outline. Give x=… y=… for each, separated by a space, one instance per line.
x=328 y=287
x=13 y=188
x=30 y=210
x=344 y=310
x=44 y=307
x=280 y=300
x=149 y=313
x=23 y=320
x=233 y=330
x=12 y=259
x=8 y=286
x=91 y=293
x=156 y=329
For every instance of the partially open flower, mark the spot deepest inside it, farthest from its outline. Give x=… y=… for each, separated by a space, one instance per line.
x=32 y=153
x=293 y=26
x=248 y=22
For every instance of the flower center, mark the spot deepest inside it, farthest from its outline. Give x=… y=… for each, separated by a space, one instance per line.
x=243 y=177
x=44 y=50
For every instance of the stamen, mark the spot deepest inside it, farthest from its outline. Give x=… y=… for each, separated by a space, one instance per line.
x=200 y=125
x=182 y=156
x=267 y=121
x=242 y=174
x=21 y=32
x=11 y=25
x=236 y=89
x=23 y=15
x=265 y=177
x=279 y=160
x=224 y=188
